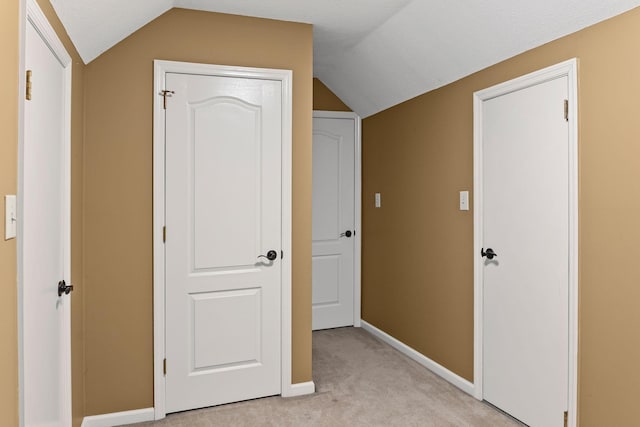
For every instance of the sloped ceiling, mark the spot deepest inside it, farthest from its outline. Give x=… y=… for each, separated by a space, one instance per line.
x=372 y=53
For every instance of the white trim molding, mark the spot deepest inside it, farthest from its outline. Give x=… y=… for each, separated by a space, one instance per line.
x=300 y=389
x=49 y=35
x=567 y=69
x=119 y=418
x=357 y=221
x=434 y=367
x=161 y=68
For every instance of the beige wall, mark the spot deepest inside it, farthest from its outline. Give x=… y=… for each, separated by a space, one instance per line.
x=9 y=18
x=417 y=249
x=325 y=99
x=118 y=182
x=9 y=73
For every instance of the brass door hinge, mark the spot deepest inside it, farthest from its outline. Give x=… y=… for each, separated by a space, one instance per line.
x=566 y=419
x=164 y=94
x=164 y=234
x=566 y=109
x=28 y=94
x=164 y=366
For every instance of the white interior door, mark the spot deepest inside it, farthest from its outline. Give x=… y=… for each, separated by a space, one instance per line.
x=223 y=218
x=334 y=230
x=525 y=149
x=45 y=240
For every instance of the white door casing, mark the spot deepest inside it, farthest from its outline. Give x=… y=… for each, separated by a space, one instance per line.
x=215 y=262
x=44 y=244
x=336 y=219
x=525 y=156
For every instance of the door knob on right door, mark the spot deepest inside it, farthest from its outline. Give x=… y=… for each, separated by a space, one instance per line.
x=489 y=253
x=63 y=288
x=271 y=255
x=346 y=234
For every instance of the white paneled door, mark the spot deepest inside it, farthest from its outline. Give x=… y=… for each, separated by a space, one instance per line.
x=525 y=187
x=223 y=239
x=333 y=221
x=45 y=238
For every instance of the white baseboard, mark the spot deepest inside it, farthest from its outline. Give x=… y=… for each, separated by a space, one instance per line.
x=148 y=414
x=434 y=367
x=300 y=389
x=119 y=418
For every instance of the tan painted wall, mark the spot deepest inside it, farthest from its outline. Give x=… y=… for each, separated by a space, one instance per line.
x=325 y=99
x=9 y=18
x=9 y=73
x=118 y=182
x=417 y=249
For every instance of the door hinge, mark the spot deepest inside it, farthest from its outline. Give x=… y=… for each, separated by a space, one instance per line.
x=28 y=94
x=164 y=234
x=164 y=95
x=566 y=109
x=566 y=419
x=164 y=366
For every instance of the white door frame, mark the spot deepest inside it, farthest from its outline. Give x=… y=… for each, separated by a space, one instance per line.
x=284 y=76
x=31 y=14
x=570 y=70
x=357 y=290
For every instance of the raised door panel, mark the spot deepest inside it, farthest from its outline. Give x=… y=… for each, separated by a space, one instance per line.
x=216 y=345
x=326 y=280
x=226 y=149
x=326 y=186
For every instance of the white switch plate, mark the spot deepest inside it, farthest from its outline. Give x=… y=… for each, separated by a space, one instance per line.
x=378 y=201
x=10 y=217
x=464 y=200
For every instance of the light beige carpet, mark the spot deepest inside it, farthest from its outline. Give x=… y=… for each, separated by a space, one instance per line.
x=360 y=381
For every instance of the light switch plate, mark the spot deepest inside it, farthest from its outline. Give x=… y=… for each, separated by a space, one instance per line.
x=464 y=200
x=378 y=201
x=10 y=217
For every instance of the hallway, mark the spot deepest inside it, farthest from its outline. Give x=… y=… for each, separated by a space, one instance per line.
x=360 y=381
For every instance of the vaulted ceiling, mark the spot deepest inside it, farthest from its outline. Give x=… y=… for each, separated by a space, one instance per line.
x=372 y=53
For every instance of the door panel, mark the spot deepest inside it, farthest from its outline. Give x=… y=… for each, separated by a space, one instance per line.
x=223 y=210
x=326 y=184
x=326 y=279
x=333 y=214
x=526 y=222
x=223 y=240
x=215 y=344
x=46 y=328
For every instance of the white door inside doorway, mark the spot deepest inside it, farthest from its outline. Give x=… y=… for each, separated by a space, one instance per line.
x=525 y=203
x=44 y=229
x=224 y=238
x=335 y=230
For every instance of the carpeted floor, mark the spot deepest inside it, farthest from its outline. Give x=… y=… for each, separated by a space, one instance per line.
x=360 y=381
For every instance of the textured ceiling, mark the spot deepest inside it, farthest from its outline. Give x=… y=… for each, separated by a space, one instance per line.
x=372 y=53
